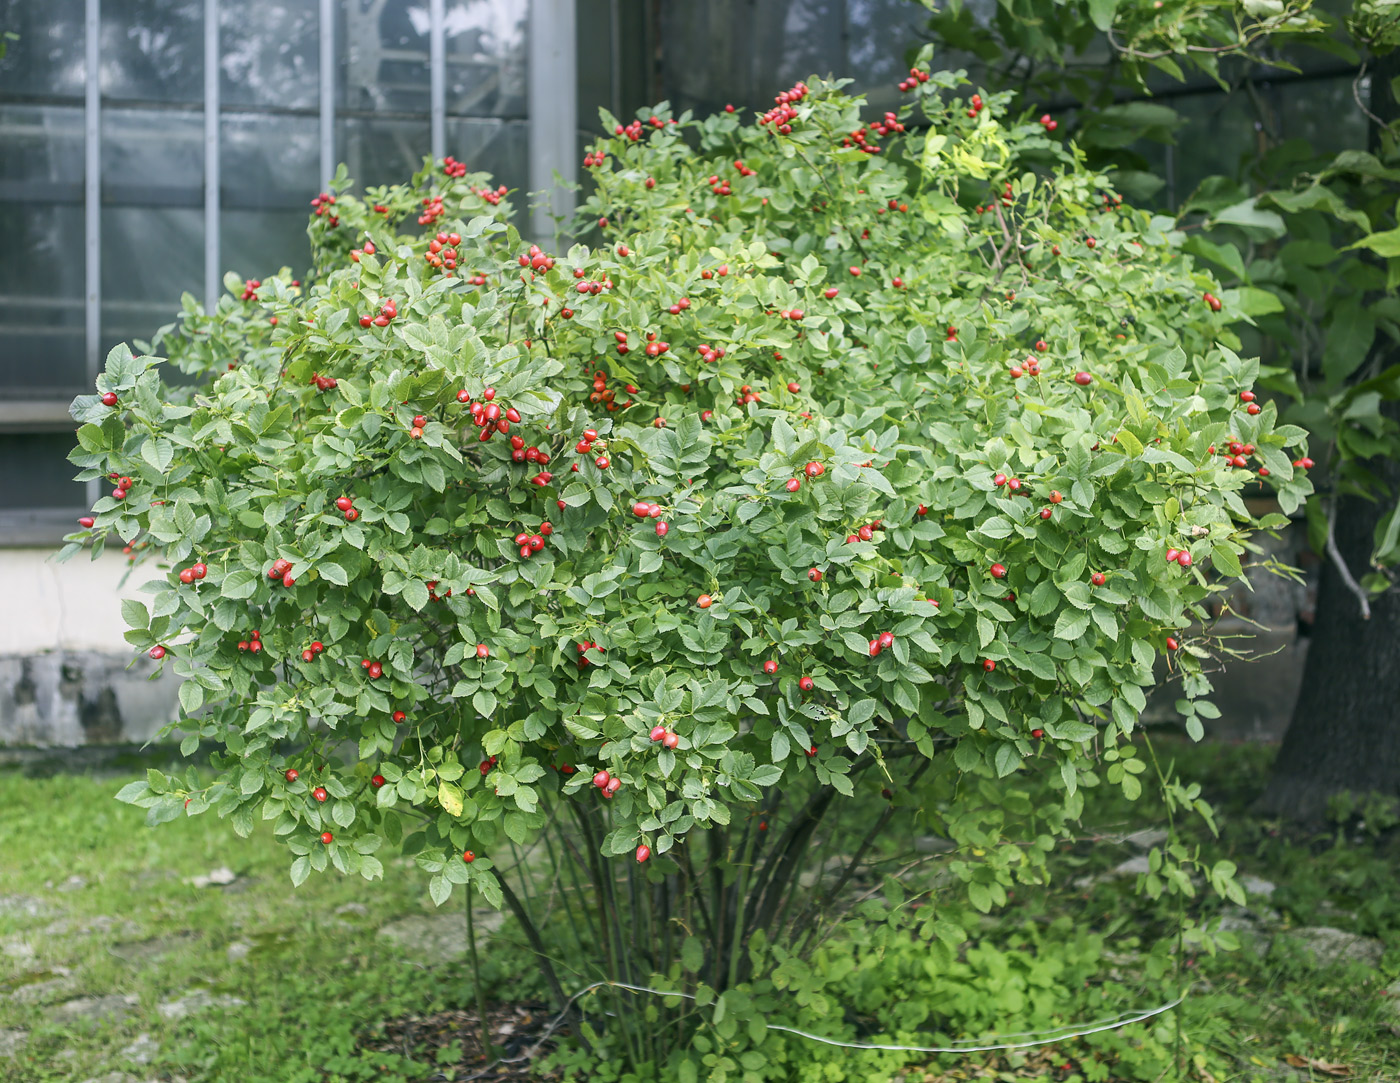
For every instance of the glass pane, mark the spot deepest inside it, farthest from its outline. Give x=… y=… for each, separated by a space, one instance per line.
x=150 y=256
x=38 y=473
x=499 y=147
x=153 y=50
x=382 y=151
x=48 y=59
x=486 y=57
x=595 y=62
x=269 y=161
x=41 y=301
x=256 y=244
x=386 y=55
x=40 y=146
x=152 y=157
x=270 y=53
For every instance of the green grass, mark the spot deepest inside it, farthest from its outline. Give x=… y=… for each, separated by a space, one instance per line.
x=316 y=980
x=313 y=979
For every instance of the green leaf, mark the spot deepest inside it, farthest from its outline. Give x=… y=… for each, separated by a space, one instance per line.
x=1256 y=222
x=1071 y=624
x=333 y=573
x=134 y=613
x=1101 y=13
x=239 y=583
x=1386 y=243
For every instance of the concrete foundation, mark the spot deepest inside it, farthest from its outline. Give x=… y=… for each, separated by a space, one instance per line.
x=67 y=676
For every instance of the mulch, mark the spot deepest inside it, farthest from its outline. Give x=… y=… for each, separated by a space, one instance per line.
x=452 y=1039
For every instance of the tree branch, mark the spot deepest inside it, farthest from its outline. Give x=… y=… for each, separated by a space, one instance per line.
x=1341 y=564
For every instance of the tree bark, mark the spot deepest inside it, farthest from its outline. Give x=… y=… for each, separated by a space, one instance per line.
x=1345 y=731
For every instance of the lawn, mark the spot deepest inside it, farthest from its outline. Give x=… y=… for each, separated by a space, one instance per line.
x=118 y=963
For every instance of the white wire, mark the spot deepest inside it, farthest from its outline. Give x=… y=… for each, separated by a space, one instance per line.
x=1123 y=1019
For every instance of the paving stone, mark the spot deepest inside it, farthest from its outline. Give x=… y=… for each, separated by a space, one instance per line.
x=22 y=951
x=142 y=1051
x=1253 y=885
x=1327 y=945
x=220 y=877
x=42 y=985
x=112 y=1008
x=1147 y=838
x=356 y=908
x=238 y=951
x=196 y=1001
x=26 y=906
x=73 y=883
x=440 y=937
x=12 y=1040
x=141 y=950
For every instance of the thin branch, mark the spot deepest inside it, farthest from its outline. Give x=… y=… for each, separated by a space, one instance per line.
x=1356 y=93
x=1342 y=569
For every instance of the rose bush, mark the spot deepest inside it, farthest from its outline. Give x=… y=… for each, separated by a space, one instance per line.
x=876 y=460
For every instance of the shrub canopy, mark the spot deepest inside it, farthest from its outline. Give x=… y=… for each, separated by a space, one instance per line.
x=901 y=391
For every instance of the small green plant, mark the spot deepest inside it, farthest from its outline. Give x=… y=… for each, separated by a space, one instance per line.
x=851 y=466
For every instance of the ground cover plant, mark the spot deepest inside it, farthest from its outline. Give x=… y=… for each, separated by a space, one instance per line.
x=848 y=465
x=329 y=998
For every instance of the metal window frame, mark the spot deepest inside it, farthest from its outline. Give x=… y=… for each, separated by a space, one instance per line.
x=552 y=108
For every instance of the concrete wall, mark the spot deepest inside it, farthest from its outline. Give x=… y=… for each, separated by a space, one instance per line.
x=67 y=677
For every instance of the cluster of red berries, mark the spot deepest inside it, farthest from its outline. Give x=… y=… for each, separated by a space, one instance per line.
x=1048 y=122
x=644 y=510
x=123 y=486
x=346 y=504
x=747 y=395
x=323 y=204
x=536 y=259
x=883 y=642
x=601 y=393
x=708 y=354
x=489 y=416
x=374 y=669
x=1046 y=512
x=1007 y=199
x=367 y=250
x=1179 y=556
x=893 y=205
x=281 y=570
x=633 y=131
x=952 y=335
x=1012 y=485
x=1237 y=455
x=596 y=158
x=607 y=783
x=915 y=78
x=783 y=114
x=442 y=253
x=583 y=663
x=433 y=595
x=668 y=737
x=250 y=288
x=679 y=307
x=1304 y=463
x=1251 y=407
x=415 y=430
x=720 y=186
x=326 y=383
x=1211 y=300
x=722 y=270
x=591 y=287
x=432 y=210
x=865 y=533
x=387 y=311
x=485 y=765
x=309 y=655
x=492 y=196
x=533 y=543
x=858 y=138
x=889 y=124
x=194 y=572
x=1029 y=367
x=454 y=168
x=521 y=454
x=977 y=105
x=252 y=643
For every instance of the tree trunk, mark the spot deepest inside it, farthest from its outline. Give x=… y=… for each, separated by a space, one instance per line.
x=1345 y=731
